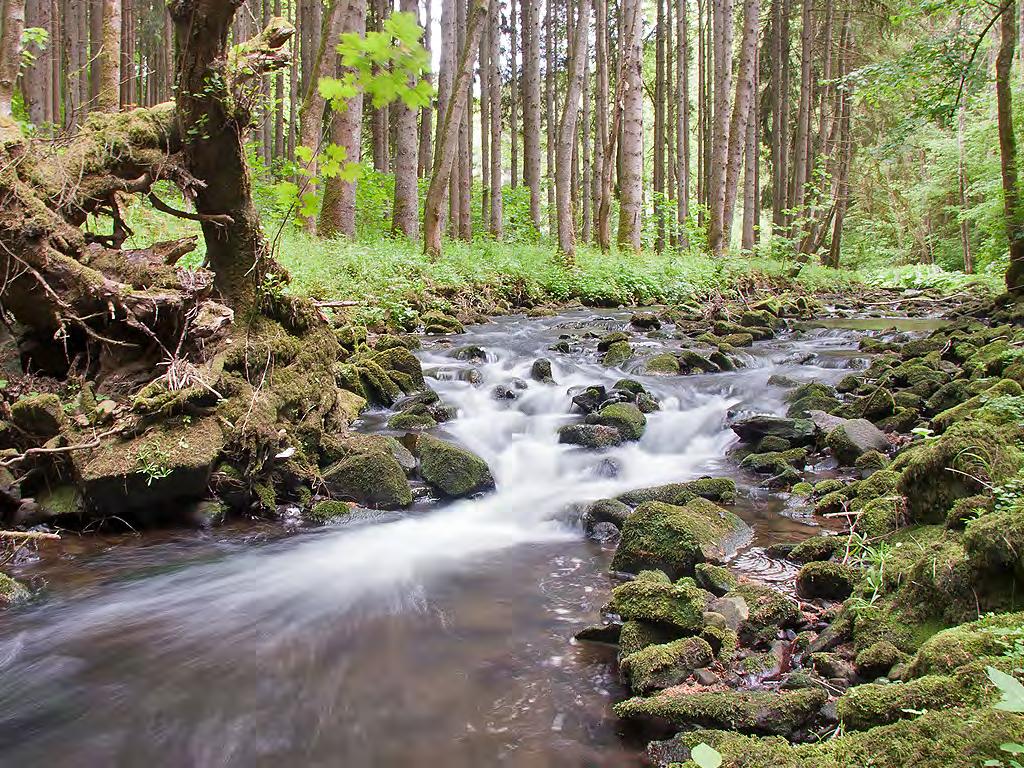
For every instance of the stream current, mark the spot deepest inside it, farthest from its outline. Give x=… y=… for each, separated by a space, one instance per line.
x=439 y=636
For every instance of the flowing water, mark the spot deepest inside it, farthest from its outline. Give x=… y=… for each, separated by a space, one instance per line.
x=440 y=635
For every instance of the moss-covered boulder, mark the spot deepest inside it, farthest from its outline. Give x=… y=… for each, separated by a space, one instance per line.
x=878 y=659
x=637 y=635
x=607 y=511
x=329 y=510
x=589 y=435
x=372 y=478
x=625 y=417
x=954 y=647
x=451 y=469
x=717 y=489
x=12 y=592
x=40 y=416
x=617 y=354
x=853 y=438
x=762 y=712
x=768 y=611
x=663 y=363
x=661 y=666
x=1002 y=388
x=438 y=323
x=938 y=739
x=716 y=579
x=828 y=580
x=675 y=538
x=966 y=459
x=775 y=462
x=995 y=542
x=169 y=463
x=652 y=598
x=798 y=432
x=816 y=549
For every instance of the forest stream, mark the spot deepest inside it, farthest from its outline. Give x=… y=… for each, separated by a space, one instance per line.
x=439 y=635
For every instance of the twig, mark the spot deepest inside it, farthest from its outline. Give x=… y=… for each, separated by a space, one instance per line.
x=29 y=535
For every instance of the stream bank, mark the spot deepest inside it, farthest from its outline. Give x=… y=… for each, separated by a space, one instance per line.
x=454 y=613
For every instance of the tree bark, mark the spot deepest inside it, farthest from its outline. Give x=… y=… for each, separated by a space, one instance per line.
x=108 y=92
x=1014 y=218
x=722 y=26
x=659 y=125
x=531 y=105
x=338 y=210
x=444 y=158
x=494 y=103
x=513 y=95
x=751 y=168
x=602 y=145
x=803 y=119
x=551 y=130
x=738 y=139
x=567 y=135
x=12 y=23
x=682 y=123
x=427 y=113
x=631 y=176
x=405 y=217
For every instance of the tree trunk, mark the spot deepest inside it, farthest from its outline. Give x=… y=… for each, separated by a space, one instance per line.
x=745 y=93
x=682 y=123
x=531 y=105
x=659 y=125
x=405 y=217
x=427 y=113
x=36 y=78
x=961 y=178
x=338 y=210
x=631 y=176
x=567 y=134
x=444 y=158
x=602 y=145
x=513 y=95
x=494 y=103
x=551 y=130
x=751 y=191
x=803 y=119
x=108 y=64
x=12 y=23
x=1012 y=213
x=722 y=25
x=588 y=176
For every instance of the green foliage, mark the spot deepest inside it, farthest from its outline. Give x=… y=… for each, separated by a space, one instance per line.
x=705 y=756
x=1010 y=688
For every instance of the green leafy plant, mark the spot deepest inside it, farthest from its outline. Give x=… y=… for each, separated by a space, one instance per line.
x=152 y=462
x=706 y=756
x=1011 y=689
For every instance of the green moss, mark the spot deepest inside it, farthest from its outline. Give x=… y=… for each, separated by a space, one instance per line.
x=39 y=415
x=942 y=739
x=451 y=469
x=832 y=581
x=409 y=420
x=617 y=354
x=825 y=487
x=438 y=323
x=718 y=489
x=637 y=635
x=948 y=417
x=995 y=542
x=12 y=591
x=60 y=500
x=881 y=516
x=661 y=666
x=871 y=461
x=723 y=641
x=954 y=647
x=745 y=711
x=776 y=462
x=769 y=610
x=663 y=363
x=968 y=457
x=967 y=509
x=691 y=361
x=326 y=511
x=816 y=548
x=625 y=417
x=374 y=478
x=678 y=607
x=873 y=704
x=714 y=578
x=675 y=538
x=830 y=503
x=877 y=659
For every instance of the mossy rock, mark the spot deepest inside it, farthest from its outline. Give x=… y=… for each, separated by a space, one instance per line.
x=878 y=659
x=637 y=635
x=759 y=318
x=871 y=461
x=716 y=579
x=59 y=501
x=12 y=592
x=451 y=469
x=438 y=323
x=947 y=396
x=769 y=610
x=802 y=490
x=40 y=416
x=775 y=463
x=172 y=462
x=413 y=418
x=675 y=538
x=678 y=607
x=607 y=511
x=833 y=502
x=662 y=364
x=853 y=438
x=938 y=739
x=828 y=580
x=772 y=444
x=605 y=342
x=327 y=511
x=902 y=420
x=948 y=417
x=874 y=704
x=967 y=458
x=816 y=549
x=881 y=516
x=738 y=340
x=798 y=432
x=350 y=337
x=373 y=478
x=694 y=362
x=873 y=406
x=589 y=435
x=625 y=417
x=617 y=354
x=827 y=486
x=951 y=648
x=971 y=508
x=661 y=666
x=995 y=542
x=763 y=712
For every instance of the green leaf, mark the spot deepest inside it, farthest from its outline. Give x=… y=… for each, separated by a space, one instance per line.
x=705 y=756
x=1011 y=688
x=1013 y=749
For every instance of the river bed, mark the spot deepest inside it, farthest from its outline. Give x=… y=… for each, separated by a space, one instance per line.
x=440 y=635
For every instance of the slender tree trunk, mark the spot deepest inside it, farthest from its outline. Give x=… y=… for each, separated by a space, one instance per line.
x=494 y=103
x=587 y=135
x=513 y=95
x=338 y=210
x=485 y=117
x=602 y=233
x=531 y=105
x=803 y=120
x=745 y=96
x=108 y=59
x=551 y=130
x=36 y=78
x=427 y=113
x=567 y=133
x=12 y=23
x=632 y=130
x=446 y=79
x=961 y=178
x=751 y=191
x=682 y=123
x=444 y=158
x=659 y=125
x=722 y=53
x=1008 y=148
x=845 y=148
x=405 y=216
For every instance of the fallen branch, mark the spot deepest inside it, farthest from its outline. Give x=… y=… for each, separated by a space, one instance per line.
x=337 y=304
x=29 y=535
x=94 y=443
x=218 y=219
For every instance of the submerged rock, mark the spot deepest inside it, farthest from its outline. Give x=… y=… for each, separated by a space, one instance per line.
x=662 y=666
x=451 y=469
x=625 y=417
x=798 y=432
x=12 y=592
x=589 y=435
x=541 y=371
